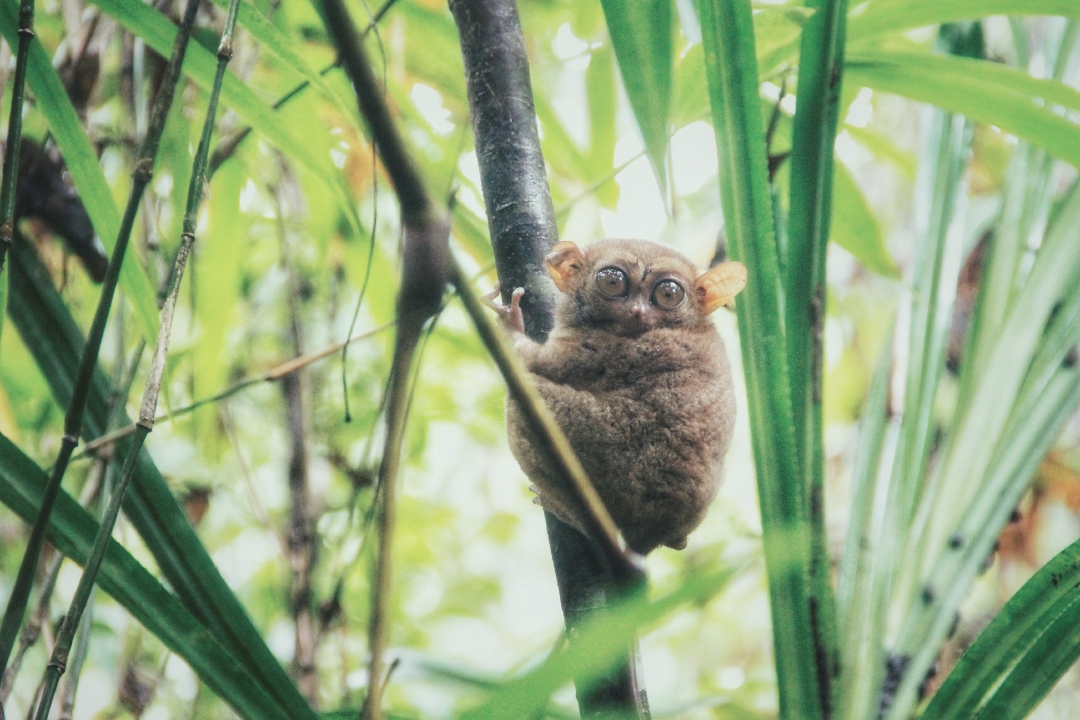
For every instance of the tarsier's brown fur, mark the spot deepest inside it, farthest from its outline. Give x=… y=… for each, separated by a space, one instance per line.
x=643 y=393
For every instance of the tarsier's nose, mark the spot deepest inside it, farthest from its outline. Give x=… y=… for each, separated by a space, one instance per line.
x=638 y=307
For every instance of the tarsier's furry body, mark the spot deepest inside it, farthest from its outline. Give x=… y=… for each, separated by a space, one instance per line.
x=638 y=379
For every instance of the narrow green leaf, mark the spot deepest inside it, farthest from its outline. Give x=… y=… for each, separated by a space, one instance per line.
x=1053 y=92
x=641 y=33
x=855 y=227
x=1026 y=616
x=72 y=531
x=953 y=85
x=201 y=65
x=731 y=68
x=821 y=60
x=82 y=163
x=899 y=15
x=865 y=570
x=1042 y=666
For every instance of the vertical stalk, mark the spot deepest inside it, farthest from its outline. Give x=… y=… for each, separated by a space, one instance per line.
x=425 y=267
x=144 y=168
x=396 y=415
x=731 y=67
x=147 y=412
x=821 y=61
x=522 y=227
x=14 y=139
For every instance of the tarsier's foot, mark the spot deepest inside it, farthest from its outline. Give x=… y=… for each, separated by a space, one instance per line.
x=510 y=314
x=679 y=544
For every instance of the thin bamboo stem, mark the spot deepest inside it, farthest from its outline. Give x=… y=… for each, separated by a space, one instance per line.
x=10 y=174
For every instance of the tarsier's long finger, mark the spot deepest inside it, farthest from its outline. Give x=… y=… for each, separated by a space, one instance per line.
x=510 y=314
x=489 y=299
x=514 y=318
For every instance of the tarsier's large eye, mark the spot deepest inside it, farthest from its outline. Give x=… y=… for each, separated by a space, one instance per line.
x=612 y=282
x=668 y=294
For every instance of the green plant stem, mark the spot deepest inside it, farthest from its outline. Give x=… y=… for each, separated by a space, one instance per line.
x=397 y=403
x=731 y=68
x=423 y=282
x=814 y=137
x=58 y=661
x=144 y=167
x=9 y=178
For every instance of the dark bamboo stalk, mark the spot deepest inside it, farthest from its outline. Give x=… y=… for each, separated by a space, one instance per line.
x=14 y=140
x=523 y=229
x=142 y=174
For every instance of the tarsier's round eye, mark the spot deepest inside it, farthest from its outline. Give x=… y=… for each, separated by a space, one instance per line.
x=612 y=282
x=668 y=294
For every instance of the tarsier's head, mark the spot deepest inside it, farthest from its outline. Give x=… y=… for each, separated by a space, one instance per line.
x=628 y=287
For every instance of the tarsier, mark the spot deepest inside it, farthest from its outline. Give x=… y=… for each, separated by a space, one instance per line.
x=638 y=378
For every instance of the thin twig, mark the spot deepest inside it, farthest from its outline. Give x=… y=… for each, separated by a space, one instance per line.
x=245 y=473
x=275 y=373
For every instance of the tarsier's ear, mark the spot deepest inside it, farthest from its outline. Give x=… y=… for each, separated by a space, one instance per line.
x=719 y=285
x=564 y=262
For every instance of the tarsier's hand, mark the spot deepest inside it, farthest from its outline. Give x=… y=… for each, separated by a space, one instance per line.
x=510 y=314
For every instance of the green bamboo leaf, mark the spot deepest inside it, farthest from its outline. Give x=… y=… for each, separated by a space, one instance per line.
x=975 y=89
x=813 y=141
x=600 y=86
x=200 y=65
x=1026 y=617
x=855 y=227
x=54 y=339
x=1052 y=92
x=221 y=263
x=1041 y=667
x=641 y=33
x=864 y=578
x=900 y=15
x=72 y=531
x=82 y=163
x=731 y=68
